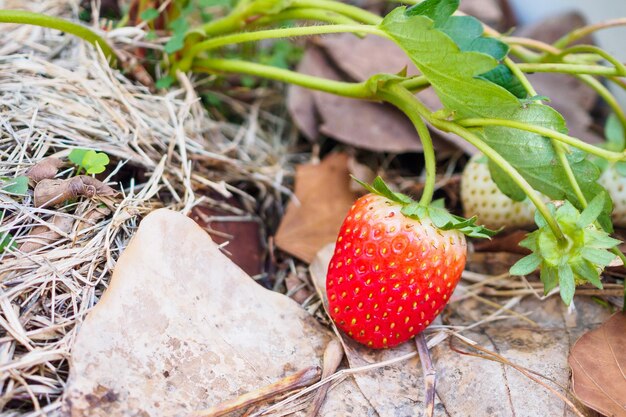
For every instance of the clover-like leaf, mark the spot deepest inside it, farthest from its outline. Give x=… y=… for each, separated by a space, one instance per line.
x=16 y=186
x=90 y=161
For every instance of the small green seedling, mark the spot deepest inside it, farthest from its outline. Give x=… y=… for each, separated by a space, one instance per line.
x=6 y=242
x=15 y=186
x=90 y=161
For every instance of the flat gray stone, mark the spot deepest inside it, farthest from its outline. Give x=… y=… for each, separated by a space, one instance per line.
x=182 y=328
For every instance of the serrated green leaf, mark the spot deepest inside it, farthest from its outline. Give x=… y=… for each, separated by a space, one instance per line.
x=440 y=217
x=567 y=283
x=599 y=239
x=593 y=210
x=550 y=278
x=175 y=43
x=438 y=203
x=149 y=14
x=379 y=187
x=455 y=77
x=529 y=242
x=587 y=272
x=502 y=76
x=614 y=133
x=437 y=10
x=597 y=256
x=526 y=265
x=179 y=26
x=467 y=33
x=164 y=82
x=6 y=242
x=17 y=185
x=414 y=210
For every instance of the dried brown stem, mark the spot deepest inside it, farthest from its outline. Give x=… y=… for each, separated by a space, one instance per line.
x=298 y=380
x=430 y=375
x=332 y=358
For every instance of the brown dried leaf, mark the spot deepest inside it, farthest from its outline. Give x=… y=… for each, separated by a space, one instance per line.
x=41 y=236
x=50 y=192
x=45 y=169
x=243 y=236
x=351 y=55
x=324 y=198
x=373 y=126
x=598 y=362
x=301 y=104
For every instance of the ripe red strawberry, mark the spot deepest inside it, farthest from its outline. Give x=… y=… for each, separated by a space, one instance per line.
x=391 y=275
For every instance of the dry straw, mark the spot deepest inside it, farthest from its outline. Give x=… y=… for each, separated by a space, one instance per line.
x=56 y=94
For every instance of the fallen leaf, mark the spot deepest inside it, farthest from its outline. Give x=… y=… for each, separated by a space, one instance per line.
x=301 y=103
x=351 y=55
x=41 y=236
x=367 y=125
x=47 y=168
x=51 y=192
x=598 y=361
x=323 y=198
x=181 y=328
x=243 y=236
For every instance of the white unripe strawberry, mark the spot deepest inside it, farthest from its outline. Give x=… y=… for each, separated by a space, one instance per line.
x=481 y=197
x=615 y=184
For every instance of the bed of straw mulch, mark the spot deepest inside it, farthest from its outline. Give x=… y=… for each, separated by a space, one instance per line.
x=57 y=94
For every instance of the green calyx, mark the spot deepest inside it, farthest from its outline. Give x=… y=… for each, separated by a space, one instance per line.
x=578 y=259
x=435 y=211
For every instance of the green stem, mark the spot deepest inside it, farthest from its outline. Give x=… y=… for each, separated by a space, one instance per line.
x=501 y=162
x=570 y=69
x=236 y=38
x=619 y=66
x=586 y=31
x=404 y=100
x=352 y=12
x=561 y=137
x=607 y=96
x=340 y=88
x=24 y=17
x=305 y=14
x=559 y=148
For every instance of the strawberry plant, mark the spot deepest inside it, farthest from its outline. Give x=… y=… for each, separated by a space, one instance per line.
x=487 y=101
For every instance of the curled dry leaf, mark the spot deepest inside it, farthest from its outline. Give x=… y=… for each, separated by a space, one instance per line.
x=47 y=168
x=50 y=192
x=43 y=235
x=598 y=362
x=363 y=124
x=350 y=54
x=323 y=199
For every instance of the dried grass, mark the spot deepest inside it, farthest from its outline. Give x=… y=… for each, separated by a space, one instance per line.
x=56 y=94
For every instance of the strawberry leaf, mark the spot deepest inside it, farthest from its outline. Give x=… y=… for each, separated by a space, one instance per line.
x=567 y=283
x=457 y=76
x=381 y=188
x=593 y=210
x=549 y=277
x=526 y=265
x=586 y=271
x=437 y=10
x=614 y=133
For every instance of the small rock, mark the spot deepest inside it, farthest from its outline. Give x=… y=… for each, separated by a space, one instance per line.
x=182 y=328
